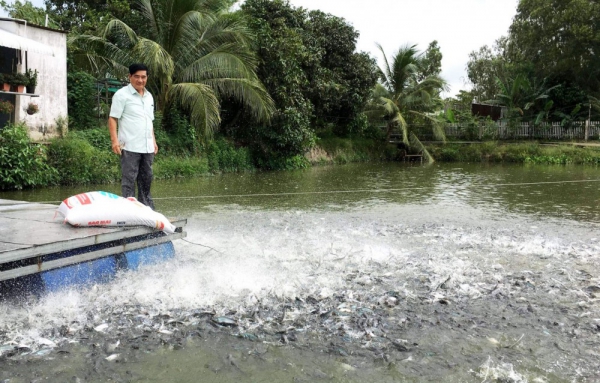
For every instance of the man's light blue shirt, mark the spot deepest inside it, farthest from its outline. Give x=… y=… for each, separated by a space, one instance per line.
x=135 y=114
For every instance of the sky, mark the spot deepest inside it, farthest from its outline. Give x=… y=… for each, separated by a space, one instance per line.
x=459 y=26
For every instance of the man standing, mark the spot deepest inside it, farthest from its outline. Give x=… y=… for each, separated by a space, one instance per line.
x=132 y=110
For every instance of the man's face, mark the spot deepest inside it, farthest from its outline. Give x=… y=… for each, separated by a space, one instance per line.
x=138 y=80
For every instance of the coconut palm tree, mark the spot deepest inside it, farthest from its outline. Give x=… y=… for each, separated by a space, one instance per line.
x=197 y=55
x=402 y=97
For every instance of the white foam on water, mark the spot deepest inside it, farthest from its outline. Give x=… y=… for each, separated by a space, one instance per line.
x=491 y=371
x=261 y=255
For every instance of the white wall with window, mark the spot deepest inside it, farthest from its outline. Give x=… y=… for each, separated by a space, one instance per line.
x=25 y=46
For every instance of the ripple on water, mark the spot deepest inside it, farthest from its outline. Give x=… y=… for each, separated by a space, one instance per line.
x=456 y=283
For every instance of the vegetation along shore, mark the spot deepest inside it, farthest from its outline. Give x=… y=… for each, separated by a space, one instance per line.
x=267 y=87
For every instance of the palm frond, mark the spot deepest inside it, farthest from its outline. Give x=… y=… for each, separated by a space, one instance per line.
x=223 y=62
x=201 y=103
x=196 y=54
x=160 y=63
x=417 y=144
x=249 y=92
x=386 y=72
x=148 y=13
x=404 y=68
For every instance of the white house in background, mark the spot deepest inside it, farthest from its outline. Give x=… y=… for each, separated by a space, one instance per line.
x=25 y=46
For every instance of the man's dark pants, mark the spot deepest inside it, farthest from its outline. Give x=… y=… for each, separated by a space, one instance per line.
x=137 y=167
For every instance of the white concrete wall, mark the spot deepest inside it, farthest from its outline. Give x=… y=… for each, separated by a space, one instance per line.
x=51 y=84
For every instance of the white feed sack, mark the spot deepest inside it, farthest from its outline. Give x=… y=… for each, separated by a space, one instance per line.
x=100 y=208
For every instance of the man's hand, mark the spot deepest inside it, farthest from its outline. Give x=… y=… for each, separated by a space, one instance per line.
x=155 y=148
x=116 y=147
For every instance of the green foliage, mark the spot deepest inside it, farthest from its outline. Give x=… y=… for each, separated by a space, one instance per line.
x=340 y=81
x=561 y=38
x=358 y=125
x=484 y=68
x=446 y=154
x=174 y=134
x=432 y=62
x=357 y=149
x=308 y=65
x=473 y=128
x=568 y=104
x=515 y=153
x=62 y=126
x=81 y=98
x=19 y=79
x=562 y=159
x=197 y=55
x=524 y=99
x=567 y=119
x=26 y=11
x=98 y=137
x=78 y=162
x=88 y=15
x=374 y=132
x=224 y=157
x=32 y=76
x=518 y=153
x=290 y=133
x=283 y=163
x=22 y=164
x=283 y=57
x=166 y=167
x=403 y=101
x=550 y=41
x=6 y=107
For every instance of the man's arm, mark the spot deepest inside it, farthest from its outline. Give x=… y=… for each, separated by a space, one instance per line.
x=112 y=128
x=154 y=139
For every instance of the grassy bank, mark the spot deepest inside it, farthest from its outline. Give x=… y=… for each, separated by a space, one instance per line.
x=499 y=152
x=85 y=157
x=336 y=150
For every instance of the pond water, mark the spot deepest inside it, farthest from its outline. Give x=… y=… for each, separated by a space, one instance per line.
x=362 y=272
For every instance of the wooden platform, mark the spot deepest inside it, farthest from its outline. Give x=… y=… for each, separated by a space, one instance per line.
x=33 y=239
x=411 y=157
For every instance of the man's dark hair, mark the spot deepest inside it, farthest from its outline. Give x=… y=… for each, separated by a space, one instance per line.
x=136 y=67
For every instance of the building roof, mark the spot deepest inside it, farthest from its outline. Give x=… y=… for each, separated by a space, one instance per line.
x=25 y=22
x=10 y=40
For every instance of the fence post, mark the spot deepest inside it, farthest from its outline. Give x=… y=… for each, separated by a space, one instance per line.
x=587 y=123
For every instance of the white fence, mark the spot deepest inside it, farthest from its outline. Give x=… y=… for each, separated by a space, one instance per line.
x=525 y=130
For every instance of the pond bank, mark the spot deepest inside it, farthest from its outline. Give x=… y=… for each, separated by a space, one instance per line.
x=517 y=152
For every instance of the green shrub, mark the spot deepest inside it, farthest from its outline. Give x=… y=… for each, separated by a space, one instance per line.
x=283 y=163
x=22 y=164
x=447 y=154
x=78 y=162
x=491 y=151
x=171 y=167
x=516 y=153
x=542 y=159
x=82 y=101
x=174 y=134
x=333 y=144
x=472 y=153
x=98 y=137
x=224 y=157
